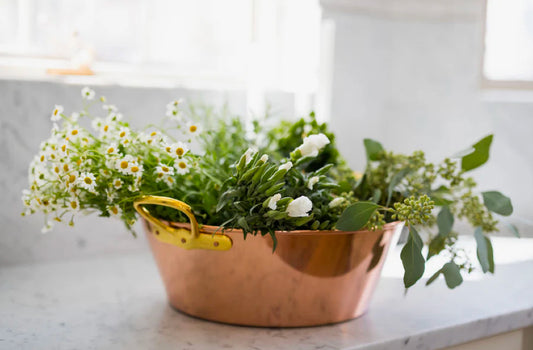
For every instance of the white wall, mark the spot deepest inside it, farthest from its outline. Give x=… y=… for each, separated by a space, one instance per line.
x=407 y=73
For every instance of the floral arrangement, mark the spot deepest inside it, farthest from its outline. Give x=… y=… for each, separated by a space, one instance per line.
x=260 y=181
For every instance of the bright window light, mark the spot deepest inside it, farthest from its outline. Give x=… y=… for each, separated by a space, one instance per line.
x=509 y=40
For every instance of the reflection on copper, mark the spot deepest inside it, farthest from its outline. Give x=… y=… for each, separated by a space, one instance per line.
x=313 y=277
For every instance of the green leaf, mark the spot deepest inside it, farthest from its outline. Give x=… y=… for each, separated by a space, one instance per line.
x=497 y=203
x=452 y=275
x=438 y=196
x=356 y=216
x=479 y=156
x=412 y=259
x=445 y=221
x=437 y=244
x=377 y=195
x=373 y=149
x=434 y=277
x=484 y=251
x=512 y=228
x=396 y=179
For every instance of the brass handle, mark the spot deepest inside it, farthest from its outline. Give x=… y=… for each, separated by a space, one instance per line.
x=180 y=237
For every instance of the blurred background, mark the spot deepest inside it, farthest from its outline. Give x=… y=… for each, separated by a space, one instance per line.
x=435 y=75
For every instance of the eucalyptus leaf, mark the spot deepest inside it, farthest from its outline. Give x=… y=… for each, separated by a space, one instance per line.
x=373 y=149
x=445 y=221
x=497 y=203
x=356 y=216
x=412 y=259
x=452 y=275
x=479 y=156
x=512 y=228
x=434 y=277
x=484 y=251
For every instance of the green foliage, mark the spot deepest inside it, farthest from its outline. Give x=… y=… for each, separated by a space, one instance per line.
x=478 y=156
x=497 y=203
x=412 y=259
x=356 y=216
x=484 y=251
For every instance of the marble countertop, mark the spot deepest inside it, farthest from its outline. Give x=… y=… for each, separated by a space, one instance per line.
x=118 y=302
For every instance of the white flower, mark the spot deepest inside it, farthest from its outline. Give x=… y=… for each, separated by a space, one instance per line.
x=87 y=93
x=193 y=129
x=56 y=113
x=178 y=149
x=181 y=166
x=285 y=166
x=97 y=123
x=172 y=108
x=123 y=135
x=301 y=206
x=128 y=166
x=163 y=171
x=273 y=202
x=114 y=117
x=72 y=133
x=73 y=204
x=117 y=183
x=75 y=116
x=113 y=210
x=249 y=154
x=264 y=158
x=109 y=108
x=87 y=181
x=336 y=202
x=312 y=145
x=312 y=182
x=112 y=149
x=169 y=180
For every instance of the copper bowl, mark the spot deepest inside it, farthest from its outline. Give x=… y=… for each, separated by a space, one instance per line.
x=312 y=278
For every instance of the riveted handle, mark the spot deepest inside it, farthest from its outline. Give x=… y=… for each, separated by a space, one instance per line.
x=181 y=237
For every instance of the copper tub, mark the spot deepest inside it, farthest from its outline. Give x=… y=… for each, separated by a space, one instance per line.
x=312 y=278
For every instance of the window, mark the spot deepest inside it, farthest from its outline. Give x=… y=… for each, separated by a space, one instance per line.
x=275 y=43
x=509 y=43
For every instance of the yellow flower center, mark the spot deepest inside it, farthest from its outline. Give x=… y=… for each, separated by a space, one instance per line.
x=57 y=219
x=114 y=210
x=153 y=134
x=65 y=167
x=72 y=178
x=63 y=148
x=160 y=175
x=56 y=111
x=110 y=150
x=165 y=169
x=124 y=164
x=193 y=128
x=56 y=169
x=170 y=179
x=118 y=183
x=182 y=165
x=167 y=149
x=180 y=151
x=106 y=128
x=73 y=204
x=42 y=158
x=45 y=202
x=134 y=169
x=74 y=132
x=122 y=134
x=88 y=180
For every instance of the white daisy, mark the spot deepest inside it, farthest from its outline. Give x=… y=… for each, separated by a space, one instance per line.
x=113 y=210
x=56 y=113
x=285 y=166
x=178 y=149
x=110 y=108
x=112 y=149
x=117 y=183
x=87 y=181
x=87 y=93
x=163 y=171
x=181 y=166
